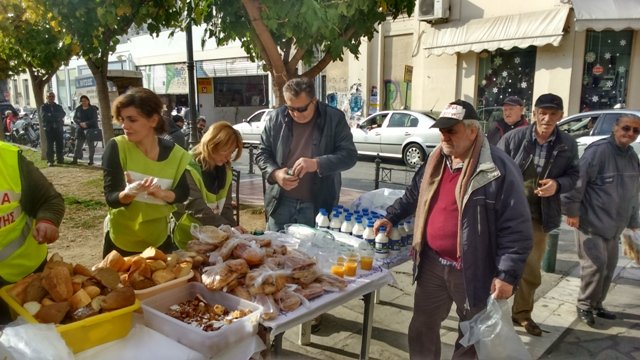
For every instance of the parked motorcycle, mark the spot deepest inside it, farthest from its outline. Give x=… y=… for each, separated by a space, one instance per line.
x=26 y=132
x=69 y=138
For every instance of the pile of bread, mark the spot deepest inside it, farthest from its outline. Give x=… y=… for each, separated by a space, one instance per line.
x=263 y=271
x=64 y=292
x=151 y=267
x=207 y=317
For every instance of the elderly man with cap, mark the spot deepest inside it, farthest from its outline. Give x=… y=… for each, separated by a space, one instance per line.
x=548 y=160
x=472 y=230
x=512 y=118
x=604 y=202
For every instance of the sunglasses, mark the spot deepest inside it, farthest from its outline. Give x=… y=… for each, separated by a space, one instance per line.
x=300 y=109
x=628 y=128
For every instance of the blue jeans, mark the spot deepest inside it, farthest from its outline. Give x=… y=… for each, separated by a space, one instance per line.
x=291 y=211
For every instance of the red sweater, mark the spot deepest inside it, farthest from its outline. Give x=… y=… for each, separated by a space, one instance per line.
x=442 y=220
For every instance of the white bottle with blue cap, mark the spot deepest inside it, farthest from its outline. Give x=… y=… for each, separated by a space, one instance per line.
x=336 y=221
x=395 y=241
x=358 y=228
x=382 y=243
x=322 y=221
x=369 y=235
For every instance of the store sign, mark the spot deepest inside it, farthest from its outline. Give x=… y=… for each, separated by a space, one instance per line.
x=205 y=86
x=408 y=73
x=597 y=70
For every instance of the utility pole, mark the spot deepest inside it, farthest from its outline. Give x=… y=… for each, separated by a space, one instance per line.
x=193 y=129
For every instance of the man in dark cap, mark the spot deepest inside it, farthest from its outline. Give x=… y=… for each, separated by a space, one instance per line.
x=472 y=231
x=512 y=118
x=548 y=160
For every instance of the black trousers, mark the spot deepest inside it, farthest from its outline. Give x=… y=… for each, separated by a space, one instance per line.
x=55 y=138
x=81 y=137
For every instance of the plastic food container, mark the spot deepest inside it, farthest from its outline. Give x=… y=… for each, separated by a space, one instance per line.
x=149 y=292
x=209 y=343
x=84 y=334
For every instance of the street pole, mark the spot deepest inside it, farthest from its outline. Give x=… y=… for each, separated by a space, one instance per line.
x=193 y=129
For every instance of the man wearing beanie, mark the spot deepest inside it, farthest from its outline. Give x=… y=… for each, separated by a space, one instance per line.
x=472 y=231
x=548 y=160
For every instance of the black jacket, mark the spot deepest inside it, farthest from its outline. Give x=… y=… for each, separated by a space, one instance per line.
x=562 y=166
x=332 y=146
x=52 y=116
x=501 y=127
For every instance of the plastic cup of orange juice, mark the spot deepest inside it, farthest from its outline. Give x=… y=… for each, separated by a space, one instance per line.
x=337 y=270
x=350 y=268
x=366 y=260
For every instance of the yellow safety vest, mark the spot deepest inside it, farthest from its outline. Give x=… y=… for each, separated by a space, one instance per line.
x=20 y=253
x=145 y=221
x=182 y=231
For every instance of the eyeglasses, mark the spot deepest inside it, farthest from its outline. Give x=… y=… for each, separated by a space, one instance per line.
x=628 y=128
x=300 y=109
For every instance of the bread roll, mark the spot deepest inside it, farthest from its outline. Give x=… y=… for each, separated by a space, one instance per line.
x=118 y=299
x=53 y=313
x=162 y=276
x=153 y=254
x=57 y=281
x=79 y=299
x=114 y=261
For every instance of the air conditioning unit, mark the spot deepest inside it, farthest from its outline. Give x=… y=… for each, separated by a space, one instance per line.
x=433 y=10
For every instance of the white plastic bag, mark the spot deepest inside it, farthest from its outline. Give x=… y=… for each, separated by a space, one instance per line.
x=492 y=333
x=17 y=342
x=376 y=200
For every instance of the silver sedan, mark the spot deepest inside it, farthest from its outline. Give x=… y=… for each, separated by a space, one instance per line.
x=397 y=134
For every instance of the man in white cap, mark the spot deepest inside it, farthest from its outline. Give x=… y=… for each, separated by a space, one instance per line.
x=472 y=231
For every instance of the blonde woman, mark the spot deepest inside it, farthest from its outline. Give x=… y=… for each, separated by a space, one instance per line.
x=209 y=179
x=144 y=175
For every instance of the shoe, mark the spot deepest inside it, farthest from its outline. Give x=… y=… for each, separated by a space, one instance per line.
x=50 y=164
x=602 y=313
x=74 y=162
x=586 y=316
x=530 y=326
x=90 y=163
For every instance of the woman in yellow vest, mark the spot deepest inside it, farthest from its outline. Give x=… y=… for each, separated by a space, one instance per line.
x=144 y=176
x=31 y=211
x=209 y=179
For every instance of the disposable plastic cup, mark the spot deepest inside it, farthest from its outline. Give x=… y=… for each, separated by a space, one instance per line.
x=350 y=268
x=337 y=270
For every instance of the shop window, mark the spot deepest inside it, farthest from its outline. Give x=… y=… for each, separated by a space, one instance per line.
x=240 y=91
x=606 y=69
x=504 y=73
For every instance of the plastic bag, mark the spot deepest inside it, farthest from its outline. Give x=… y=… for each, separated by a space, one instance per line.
x=376 y=200
x=492 y=333
x=631 y=244
x=17 y=342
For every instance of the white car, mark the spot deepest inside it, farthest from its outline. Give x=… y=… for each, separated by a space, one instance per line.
x=251 y=128
x=601 y=123
x=399 y=134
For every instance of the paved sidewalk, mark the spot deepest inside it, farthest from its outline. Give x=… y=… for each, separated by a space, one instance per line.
x=565 y=336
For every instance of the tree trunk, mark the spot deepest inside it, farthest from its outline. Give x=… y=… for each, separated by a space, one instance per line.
x=38 y=91
x=98 y=69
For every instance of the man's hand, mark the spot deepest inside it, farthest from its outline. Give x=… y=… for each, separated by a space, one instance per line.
x=382 y=222
x=303 y=166
x=573 y=221
x=501 y=289
x=547 y=187
x=285 y=180
x=45 y=232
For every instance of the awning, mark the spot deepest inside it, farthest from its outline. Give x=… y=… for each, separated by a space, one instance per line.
x=607 y=14
x=534 y=28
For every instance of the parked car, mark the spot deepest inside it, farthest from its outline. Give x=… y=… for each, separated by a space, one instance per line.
x=601 y=123
x=251 y=128
x=397 y=134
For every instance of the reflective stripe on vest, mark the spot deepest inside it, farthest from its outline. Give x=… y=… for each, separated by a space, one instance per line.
x=17 y=242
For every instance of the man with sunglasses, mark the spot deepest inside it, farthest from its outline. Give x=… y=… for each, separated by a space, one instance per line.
x=472 y=231
x=548 y=160
x=604 y=202
x=305 y=145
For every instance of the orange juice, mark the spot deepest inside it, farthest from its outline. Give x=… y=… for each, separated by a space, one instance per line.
x=366 y=262
x=337 y=270
x=350 y=268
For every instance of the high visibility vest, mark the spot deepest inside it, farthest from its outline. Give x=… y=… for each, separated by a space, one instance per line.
x=182 y=231
x=20 y=253
x=145 y=221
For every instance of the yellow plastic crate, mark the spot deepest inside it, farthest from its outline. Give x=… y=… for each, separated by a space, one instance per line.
x=84 y=334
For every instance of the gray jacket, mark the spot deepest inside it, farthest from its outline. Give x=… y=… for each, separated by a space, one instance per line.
x=332 y=146
x=606 y=196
